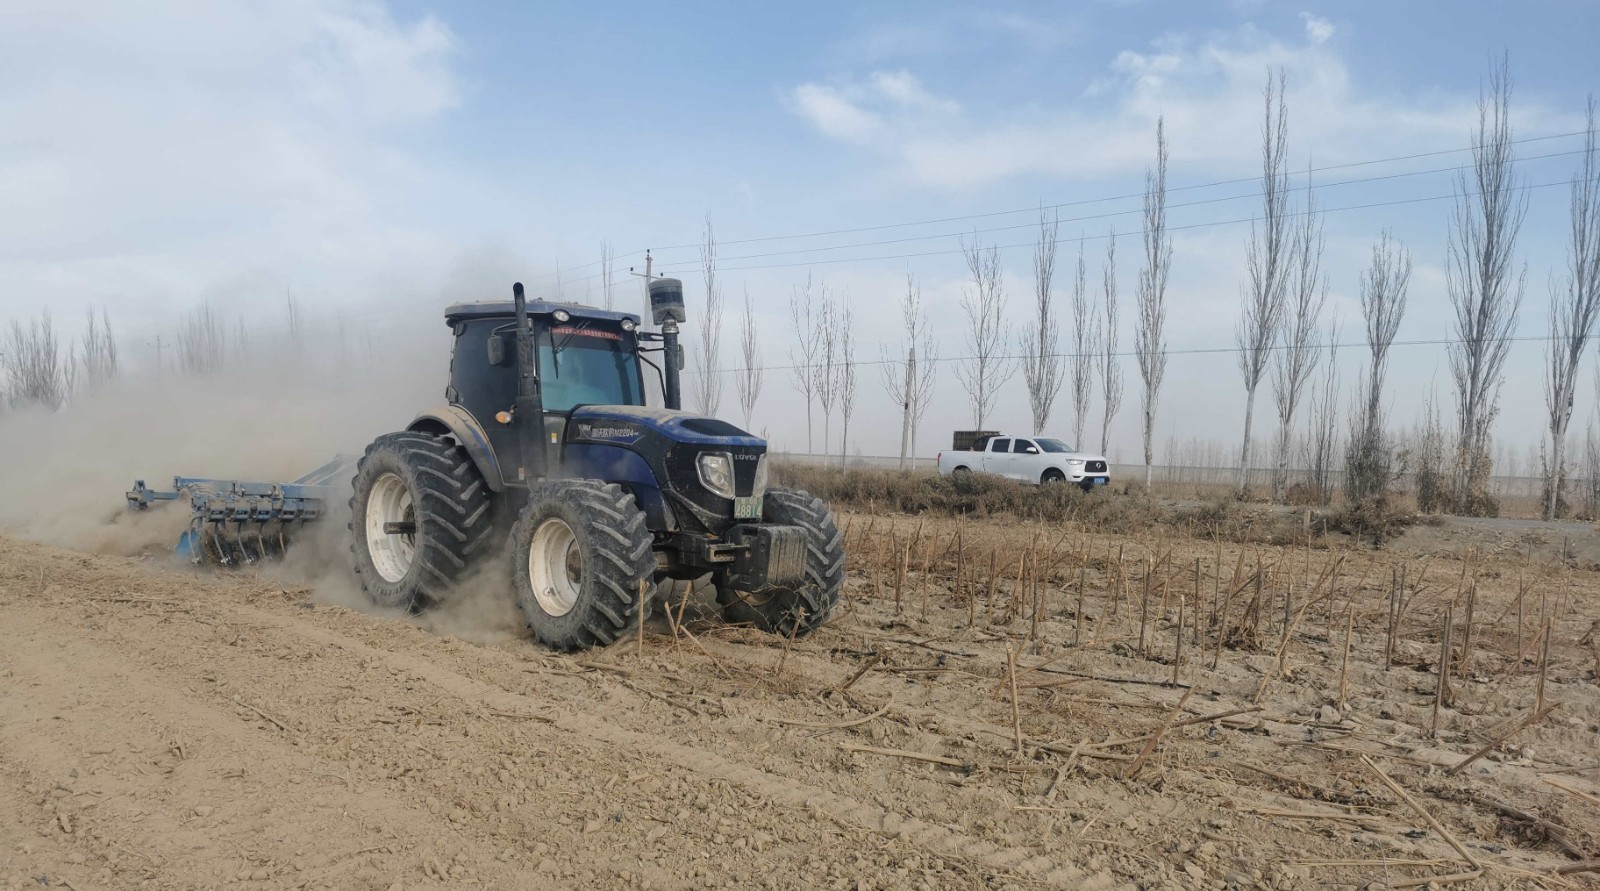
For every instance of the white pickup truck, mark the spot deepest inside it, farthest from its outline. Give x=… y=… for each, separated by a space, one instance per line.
x=1030 y=459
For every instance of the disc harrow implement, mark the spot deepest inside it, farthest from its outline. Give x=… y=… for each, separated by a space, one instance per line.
x=236 y=522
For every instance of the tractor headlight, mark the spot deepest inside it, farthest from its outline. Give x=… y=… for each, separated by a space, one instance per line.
x=562 y=316
x=628 y=325
x=759 y=488
x=716 y=473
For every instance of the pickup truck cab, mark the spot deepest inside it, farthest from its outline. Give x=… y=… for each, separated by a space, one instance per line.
x=1028 y=459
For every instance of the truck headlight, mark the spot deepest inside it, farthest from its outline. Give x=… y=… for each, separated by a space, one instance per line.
x=759 y=488
x=1075 y=461
x=716 y=472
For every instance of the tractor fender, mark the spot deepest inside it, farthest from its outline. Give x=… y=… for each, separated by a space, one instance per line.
x=614 y=464
x=459 y=423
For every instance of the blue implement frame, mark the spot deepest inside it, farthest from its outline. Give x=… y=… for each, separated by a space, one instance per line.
x=236 y=521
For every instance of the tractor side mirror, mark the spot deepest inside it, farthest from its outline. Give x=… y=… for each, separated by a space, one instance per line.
x=497 y=349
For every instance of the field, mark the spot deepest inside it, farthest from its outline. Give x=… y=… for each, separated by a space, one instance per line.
x=1002 y=702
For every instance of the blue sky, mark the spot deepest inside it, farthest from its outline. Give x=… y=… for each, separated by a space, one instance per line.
x=367 y=152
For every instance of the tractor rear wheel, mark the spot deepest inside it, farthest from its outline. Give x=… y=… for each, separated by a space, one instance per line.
x=419 y=513
x=801 y=608
x=581 y=563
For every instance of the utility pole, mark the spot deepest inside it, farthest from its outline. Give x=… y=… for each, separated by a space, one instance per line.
x=648 y=314
x=905 y=407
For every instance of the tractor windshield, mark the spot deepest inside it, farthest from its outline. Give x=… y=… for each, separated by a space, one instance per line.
x=579 y=365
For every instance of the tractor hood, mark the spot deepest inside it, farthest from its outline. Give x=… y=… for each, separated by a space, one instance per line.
x=655 y=453
x=624 y=424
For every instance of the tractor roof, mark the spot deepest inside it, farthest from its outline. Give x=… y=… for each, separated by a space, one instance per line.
x=505 y=309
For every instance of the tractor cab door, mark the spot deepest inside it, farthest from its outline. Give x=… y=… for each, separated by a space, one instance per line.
x=484 y=387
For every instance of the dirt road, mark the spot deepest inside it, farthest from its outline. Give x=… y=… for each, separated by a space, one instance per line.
x=163 y=729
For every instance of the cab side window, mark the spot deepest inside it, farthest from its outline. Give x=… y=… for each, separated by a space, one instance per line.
x=1020 y=446
x=1001 y=445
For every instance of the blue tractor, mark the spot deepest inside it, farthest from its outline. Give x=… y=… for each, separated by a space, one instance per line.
x=546 y=449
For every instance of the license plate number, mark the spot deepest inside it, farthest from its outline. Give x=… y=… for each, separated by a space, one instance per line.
x=1100 y=481
x=747 y=508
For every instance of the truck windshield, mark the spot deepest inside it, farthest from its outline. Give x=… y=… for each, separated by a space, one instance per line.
x=585 y=366
x=1054 y=446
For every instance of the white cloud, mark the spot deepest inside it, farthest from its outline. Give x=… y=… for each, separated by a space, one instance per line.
x=835 y=114
x=1208 y=88
x=155 y=151
x=865 y=113
x=1318 y=30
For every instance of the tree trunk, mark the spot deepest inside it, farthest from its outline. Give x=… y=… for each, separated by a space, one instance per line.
x=905 y=411
x=1149 y=452
x=1558 y=457
x=1280 y=480
x=1244 y=451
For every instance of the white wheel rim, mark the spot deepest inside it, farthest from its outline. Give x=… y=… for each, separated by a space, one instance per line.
x=390 y=502
x=555 y=567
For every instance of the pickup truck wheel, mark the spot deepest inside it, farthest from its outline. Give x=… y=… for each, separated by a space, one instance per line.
x=1052 y=475
x=799 y=609
x=960 y=471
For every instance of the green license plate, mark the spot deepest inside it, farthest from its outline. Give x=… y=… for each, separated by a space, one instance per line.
x=747 y=508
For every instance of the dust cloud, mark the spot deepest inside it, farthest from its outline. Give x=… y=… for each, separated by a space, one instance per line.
x=63 y=474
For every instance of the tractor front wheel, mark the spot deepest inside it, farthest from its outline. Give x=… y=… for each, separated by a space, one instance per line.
x=419 y=513
x=799 y=609
x=581 y=563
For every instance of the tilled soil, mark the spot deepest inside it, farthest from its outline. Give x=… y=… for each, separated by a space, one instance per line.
x=163 y=728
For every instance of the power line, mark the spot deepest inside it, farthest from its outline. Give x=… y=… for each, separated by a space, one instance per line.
x=1133 y=210
x=1193 y=351
x=1036 y=208
x=1057 y=206
x=1059 y=241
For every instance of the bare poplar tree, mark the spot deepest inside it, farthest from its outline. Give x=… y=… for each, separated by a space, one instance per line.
x=1368 y=461
x=1110 y=364
x=1041 y=342
x=1292 y=366
x=986 y=368
x=805 y=319
x=203 y=341
x=1267 y=260
x=99 y=351
x=825 y=372
x=708 y=386
x=1574 y=310
x=36 y=373
x=1322 y=439
x=292 y=319
x=908 y=376
x=1150 y=344
x=1085 y=332
x=847 y=376
x=1484 y=288
x=607 y=277
x=748 y=382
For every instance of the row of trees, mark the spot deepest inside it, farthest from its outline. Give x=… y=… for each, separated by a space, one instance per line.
x=40 y=370
x=1282 y=337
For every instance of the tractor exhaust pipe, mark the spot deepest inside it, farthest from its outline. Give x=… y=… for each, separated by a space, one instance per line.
x=530 y=404
x=666 y=308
